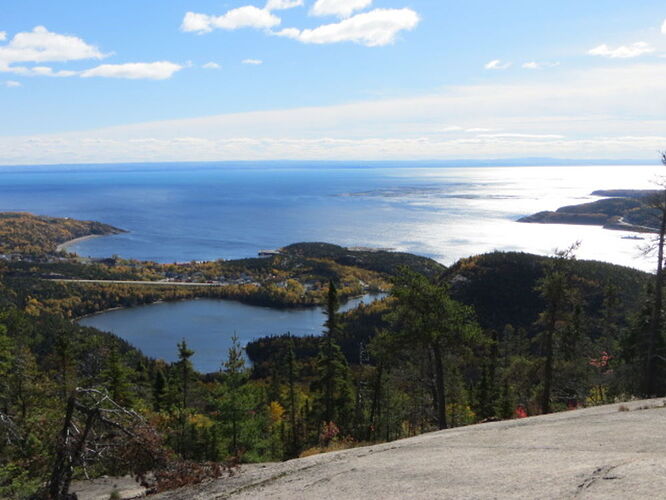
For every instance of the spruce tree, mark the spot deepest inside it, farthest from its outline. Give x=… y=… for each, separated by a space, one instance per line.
x=334 y=398
x=234 y=378
x=186 y=371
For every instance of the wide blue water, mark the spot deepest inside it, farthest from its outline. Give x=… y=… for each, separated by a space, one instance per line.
x=209 y=211
x=208 y=326
x=189 y=212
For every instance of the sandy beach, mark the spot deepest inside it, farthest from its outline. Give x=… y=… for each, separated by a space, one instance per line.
x=63 y=246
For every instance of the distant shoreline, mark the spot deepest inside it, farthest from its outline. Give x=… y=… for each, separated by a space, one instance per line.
x=63 y=246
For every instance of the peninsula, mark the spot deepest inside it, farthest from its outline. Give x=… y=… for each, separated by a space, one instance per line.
x=620 y=209
x=27 y=234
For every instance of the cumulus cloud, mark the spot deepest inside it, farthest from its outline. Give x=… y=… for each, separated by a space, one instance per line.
x=42 y=45
x=540 y=65
x=255 y=62
x=663 y=27
x=282 y=4
x=12 y=83
x=340 y=8
x=152 y=71
x=497 y=64
x=373 y=29
x=242 y=17
x=211 y=65
x=623 y=51
x=3 y=36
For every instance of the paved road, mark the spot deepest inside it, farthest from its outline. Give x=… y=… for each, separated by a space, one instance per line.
x=595 y=453
x=149 y=283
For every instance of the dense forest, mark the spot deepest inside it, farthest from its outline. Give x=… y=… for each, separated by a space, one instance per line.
x=25 y=233
x=496 y=336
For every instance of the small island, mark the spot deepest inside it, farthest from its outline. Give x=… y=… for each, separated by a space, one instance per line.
x=620 y=209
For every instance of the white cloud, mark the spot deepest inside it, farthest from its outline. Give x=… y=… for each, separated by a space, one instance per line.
x=12 y=83
x=340 y=8
x=152 y=71
x=663 y=27
x=211 y=65
x=3 y=36
x=41 y=45
x=242 y=17
x=373 y=29
x=623 y=51
x=282 y=4
x=539 y=65
x=255 y=62
x=497 y=64
x=520 y=136
x=41 y=71
x=611 y=112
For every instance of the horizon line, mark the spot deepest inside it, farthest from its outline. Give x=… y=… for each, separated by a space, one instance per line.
x=470 y=162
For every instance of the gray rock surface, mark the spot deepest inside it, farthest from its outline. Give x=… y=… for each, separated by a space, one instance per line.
x=598 y=453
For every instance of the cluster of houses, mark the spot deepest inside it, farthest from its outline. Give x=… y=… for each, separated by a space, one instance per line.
x=22 y=257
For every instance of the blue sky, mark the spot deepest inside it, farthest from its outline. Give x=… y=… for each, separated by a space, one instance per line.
x=85 y=81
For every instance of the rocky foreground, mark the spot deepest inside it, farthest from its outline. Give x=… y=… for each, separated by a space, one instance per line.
x=613 y=451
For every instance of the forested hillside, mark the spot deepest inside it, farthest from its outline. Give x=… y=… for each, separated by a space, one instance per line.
x=496 y=336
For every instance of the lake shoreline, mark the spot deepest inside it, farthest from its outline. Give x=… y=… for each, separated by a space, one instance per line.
x=185 y=299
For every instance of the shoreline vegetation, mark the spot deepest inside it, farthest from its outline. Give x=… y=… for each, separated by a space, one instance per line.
x=23 y=234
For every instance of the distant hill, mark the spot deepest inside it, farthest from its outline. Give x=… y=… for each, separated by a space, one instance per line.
x=374 y=260
x=501 y=286
x=622 y=209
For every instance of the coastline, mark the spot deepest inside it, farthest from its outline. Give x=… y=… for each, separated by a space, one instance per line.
x=63 y=246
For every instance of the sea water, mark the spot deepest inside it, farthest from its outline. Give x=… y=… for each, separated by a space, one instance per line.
x=209 y=211
x=185 y=212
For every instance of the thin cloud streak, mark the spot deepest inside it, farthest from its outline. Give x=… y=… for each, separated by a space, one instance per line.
x=592 y=114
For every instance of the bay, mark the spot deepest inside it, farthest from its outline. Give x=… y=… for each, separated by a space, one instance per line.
x=184 y=212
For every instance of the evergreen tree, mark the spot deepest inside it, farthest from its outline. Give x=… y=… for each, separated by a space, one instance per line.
x=234 y=378
x=293 y=447
x=159 y=389
x=333 y=395
x=654 y=334
x=555 y=289
x=116 y=379
x=424 y=314
x=66 y=360
x=186 y=371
